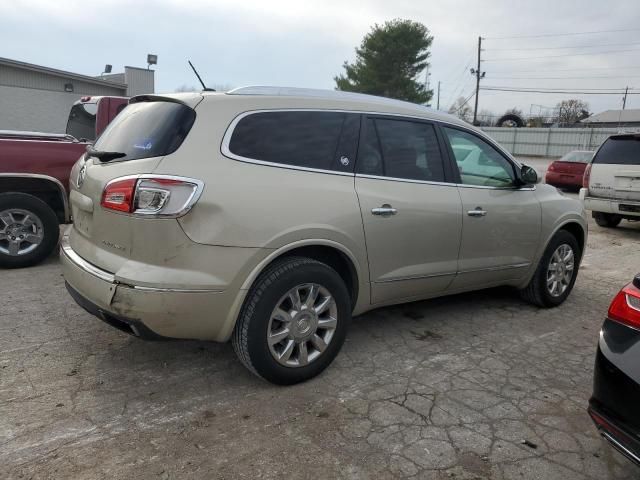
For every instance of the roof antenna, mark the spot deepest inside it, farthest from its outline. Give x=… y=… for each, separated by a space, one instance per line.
x=204 y=87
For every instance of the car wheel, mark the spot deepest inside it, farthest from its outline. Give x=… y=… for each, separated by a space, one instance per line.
x=607 y=220
x=293 y=321
x=29 y=230
x=556 y=273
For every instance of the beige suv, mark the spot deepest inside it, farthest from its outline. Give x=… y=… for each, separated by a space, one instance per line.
x=270 y=216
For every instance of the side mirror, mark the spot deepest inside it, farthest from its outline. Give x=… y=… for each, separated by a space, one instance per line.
x=528 y=175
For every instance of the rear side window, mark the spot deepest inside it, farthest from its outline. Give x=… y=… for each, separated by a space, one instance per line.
x=302 y=139
x=82 y=121
x=619 y=150
x=147 y=129
x=401 y=149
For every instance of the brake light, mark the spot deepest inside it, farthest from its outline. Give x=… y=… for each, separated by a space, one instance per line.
x=552 y=167
x=586 y=176
x=160 y=196
x=625 y=307
x=118 y=195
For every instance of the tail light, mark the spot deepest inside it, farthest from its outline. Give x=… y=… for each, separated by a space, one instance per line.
x=552 y=167
x=586 y=176
x=625 y=307
x=152 y=195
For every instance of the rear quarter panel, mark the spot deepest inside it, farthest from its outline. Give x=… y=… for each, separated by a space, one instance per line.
x=258 y=206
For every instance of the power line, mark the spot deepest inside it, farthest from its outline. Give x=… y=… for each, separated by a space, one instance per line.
x=564 y=78
x=557 y=56
x=569 y=92
x=557 y=88
x=563 y=34
x=564 y=48
x=632 y=67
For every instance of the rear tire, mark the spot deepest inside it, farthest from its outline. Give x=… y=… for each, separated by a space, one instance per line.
x=269 y=312
x=607 y=220
x=23 y=216
x=539 y=290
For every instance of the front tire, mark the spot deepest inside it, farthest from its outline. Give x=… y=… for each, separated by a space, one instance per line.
x=607 y=220
x=293 y=322
x=29 y=230
x=556 y=274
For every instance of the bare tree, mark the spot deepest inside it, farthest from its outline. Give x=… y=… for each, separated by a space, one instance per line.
x=571 y=111
x=186 y=88
x=461 y=109
x=486 y=118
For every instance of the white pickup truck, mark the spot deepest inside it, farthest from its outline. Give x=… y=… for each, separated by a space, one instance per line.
x=611 y=185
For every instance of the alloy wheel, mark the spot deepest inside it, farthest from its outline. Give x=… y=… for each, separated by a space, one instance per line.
x=302 y=325
x=21 y=232
x=560 y=270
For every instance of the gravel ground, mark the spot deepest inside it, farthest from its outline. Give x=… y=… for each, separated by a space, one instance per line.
x=471 y=386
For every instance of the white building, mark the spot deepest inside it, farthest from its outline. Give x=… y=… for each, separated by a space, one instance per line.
x=37 y=98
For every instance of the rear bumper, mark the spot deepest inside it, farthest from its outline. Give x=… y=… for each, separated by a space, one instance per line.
x=151 y=313
x=563 y=179
x=614 y=432
x=626 y=208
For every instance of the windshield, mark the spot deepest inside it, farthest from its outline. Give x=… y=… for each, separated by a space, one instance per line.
x=147 y=129
x=577 y=157
x=82 y=121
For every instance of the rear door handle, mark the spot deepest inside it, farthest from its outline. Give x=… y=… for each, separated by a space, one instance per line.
x=477 y=212
x=385 y=210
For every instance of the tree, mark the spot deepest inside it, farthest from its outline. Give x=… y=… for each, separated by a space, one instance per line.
x=571 y=111
x=514 y=111
x=388 y=62
x=186 y=88
x=486 y=118
x=462 y=109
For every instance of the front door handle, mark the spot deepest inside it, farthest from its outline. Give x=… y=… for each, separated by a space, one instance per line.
x=477 y=212
x=385 y=210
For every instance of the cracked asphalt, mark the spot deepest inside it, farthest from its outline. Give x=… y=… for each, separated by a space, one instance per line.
x=472 y=386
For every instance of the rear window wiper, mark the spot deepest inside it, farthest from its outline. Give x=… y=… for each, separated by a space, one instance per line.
x=104 y=156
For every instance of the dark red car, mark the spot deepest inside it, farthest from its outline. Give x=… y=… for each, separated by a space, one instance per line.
x=34 y=180
x=567 y=172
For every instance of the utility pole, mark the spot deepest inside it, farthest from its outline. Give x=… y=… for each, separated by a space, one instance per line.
x=624 y=99
x=478 y=75
x=438 y=103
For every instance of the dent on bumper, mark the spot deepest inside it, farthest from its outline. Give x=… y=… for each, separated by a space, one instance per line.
x=156 y=312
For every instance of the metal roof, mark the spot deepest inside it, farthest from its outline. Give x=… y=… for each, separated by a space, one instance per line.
x=615 y=116
x=59 y=73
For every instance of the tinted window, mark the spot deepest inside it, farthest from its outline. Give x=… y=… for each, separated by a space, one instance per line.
x=147 y=129
x=82 y=121
x=620 y=150
x=478 y=162
x=401 y=149
x=303 y=139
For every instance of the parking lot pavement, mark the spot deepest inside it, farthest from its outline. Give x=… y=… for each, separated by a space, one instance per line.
x=473 y=386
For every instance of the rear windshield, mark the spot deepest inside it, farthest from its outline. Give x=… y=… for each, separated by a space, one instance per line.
x=82 y=121
x=147 y=129
x=577 y=157
x=619 y=150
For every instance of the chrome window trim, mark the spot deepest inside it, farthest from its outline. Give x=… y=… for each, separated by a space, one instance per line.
x=58 y=183
x=188 y=206
x=405 y=180
x=226 y=140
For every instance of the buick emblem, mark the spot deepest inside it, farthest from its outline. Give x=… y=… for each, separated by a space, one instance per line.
x=344 y=160
x=81 y=174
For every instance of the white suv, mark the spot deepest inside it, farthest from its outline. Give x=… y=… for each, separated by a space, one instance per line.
x=612 y=181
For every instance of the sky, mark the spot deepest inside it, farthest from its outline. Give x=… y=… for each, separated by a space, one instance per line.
x=304 y=43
